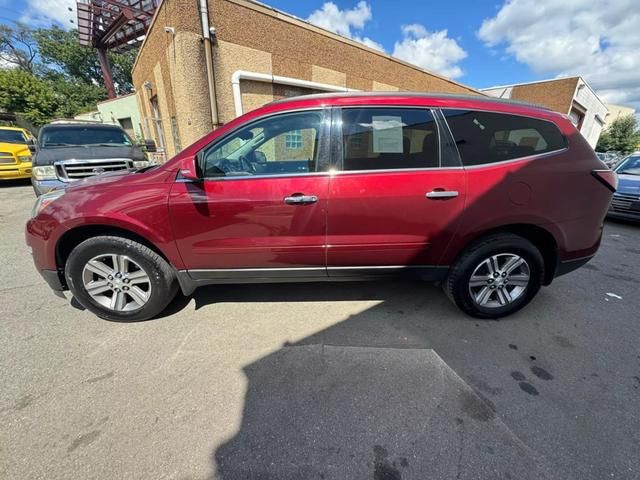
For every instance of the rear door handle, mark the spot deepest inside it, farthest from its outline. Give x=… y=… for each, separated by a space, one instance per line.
x=299 y=199
x=442 y=194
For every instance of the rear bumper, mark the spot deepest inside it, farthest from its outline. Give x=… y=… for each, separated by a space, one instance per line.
x=571 y=265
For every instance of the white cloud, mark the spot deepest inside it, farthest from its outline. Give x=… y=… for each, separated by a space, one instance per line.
x=45 y=12
x=434 y=51
x=598 y=39
x=345 y=22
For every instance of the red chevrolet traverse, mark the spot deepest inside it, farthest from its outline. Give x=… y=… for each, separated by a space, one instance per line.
x=492 y=199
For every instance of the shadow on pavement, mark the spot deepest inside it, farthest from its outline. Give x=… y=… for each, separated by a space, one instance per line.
x=367 y=397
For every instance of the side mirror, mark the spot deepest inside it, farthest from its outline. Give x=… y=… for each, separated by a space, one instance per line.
x=150 y=145
x=188 y=169
x=31 y=144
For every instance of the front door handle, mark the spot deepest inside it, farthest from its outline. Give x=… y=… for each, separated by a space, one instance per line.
x=299 y=199
x=436 y=194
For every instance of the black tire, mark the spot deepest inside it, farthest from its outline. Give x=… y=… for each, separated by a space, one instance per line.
x=456 y=285
x=163 y=285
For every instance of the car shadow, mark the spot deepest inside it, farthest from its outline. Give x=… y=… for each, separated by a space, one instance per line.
x=22 y=182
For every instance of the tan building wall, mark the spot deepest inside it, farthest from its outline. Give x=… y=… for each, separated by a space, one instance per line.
x=255 y=38
x=556 y=94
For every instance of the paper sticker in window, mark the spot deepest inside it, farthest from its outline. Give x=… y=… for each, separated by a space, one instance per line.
x=387 y=134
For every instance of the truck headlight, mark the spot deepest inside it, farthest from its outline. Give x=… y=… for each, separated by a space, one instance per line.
x=140 y=164
x=44 y=200
x=24 y=158
x=46 y=172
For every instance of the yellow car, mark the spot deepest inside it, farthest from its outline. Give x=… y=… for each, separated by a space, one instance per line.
x=15 y=157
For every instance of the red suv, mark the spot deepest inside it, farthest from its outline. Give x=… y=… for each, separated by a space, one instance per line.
x=490 y=198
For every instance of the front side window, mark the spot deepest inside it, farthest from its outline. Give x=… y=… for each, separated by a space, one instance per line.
x=389 y=138
x=282 y=144
x=487 y=137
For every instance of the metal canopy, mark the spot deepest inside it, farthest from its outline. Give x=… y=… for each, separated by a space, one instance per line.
x=117 y=25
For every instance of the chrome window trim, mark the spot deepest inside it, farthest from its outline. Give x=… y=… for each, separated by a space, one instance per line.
x=528 y=158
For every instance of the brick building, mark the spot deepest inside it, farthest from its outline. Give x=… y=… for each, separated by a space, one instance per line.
x=204 y=62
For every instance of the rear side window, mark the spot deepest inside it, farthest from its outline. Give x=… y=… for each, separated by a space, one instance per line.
x=389 y=138
x=485 y=137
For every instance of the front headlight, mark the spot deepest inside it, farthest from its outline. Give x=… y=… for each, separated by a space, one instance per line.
x=46 y=172
x=24 y=158
x=140 y=164
x=44 y=200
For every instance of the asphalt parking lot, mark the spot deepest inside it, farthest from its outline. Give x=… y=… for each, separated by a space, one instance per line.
x=381 y=380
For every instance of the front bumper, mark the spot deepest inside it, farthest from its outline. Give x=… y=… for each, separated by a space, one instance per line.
x=635 y=216
x=45 y=186
x=15 y=171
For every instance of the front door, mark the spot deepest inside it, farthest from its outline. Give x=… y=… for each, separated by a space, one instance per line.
x=263 y=201
x=393 y=203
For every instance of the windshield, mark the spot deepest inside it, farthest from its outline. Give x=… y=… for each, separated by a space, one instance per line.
x=83 y=135
x=631 y=166
x=12 y=136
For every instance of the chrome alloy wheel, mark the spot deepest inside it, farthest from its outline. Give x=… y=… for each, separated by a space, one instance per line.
x=499 y=280
x=116 y=282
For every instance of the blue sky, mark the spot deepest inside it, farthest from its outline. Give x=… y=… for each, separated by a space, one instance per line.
x=483 y=67
x=480 y=43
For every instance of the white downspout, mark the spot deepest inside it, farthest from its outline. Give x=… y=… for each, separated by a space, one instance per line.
x=268 y=78
x=208 y=60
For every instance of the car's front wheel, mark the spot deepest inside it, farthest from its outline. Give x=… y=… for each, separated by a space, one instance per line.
x=496 y=276
x=119 y=279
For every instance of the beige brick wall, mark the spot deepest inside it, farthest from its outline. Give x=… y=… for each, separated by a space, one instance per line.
x=554 y=94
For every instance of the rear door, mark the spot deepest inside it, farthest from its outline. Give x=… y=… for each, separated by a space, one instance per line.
x=397 y=193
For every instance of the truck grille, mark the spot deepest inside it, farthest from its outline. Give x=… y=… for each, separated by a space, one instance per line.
x=7 y=158
x=70 y=170
x=624 y=202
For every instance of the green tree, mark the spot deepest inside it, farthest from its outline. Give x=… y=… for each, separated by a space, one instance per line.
x=622 y=135
x=24 y=93
x=61 y=50
x=18 y=47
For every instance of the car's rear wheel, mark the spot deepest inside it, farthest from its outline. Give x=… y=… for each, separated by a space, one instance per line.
x=120 y=279
x=496 y=276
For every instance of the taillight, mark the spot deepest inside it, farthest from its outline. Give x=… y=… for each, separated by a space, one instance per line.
x=608 y=178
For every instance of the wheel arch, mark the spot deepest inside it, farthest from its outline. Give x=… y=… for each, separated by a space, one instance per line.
x=74 y=237
x=542 y=238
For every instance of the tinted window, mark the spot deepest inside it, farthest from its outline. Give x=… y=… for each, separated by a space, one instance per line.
x=389 y=138
x=82 y=135
x=12 y=136
x=631 y=166
x=277 y=145
x=484 y=137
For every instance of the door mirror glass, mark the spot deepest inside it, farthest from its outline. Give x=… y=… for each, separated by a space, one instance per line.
x=281 y=144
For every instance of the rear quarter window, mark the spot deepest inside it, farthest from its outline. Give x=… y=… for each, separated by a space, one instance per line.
x=487 y=137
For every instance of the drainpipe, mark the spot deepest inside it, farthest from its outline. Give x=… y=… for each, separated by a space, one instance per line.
x=208 y=54
x=268 y=78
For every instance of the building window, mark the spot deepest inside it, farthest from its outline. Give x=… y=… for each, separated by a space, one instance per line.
x=293 y=140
